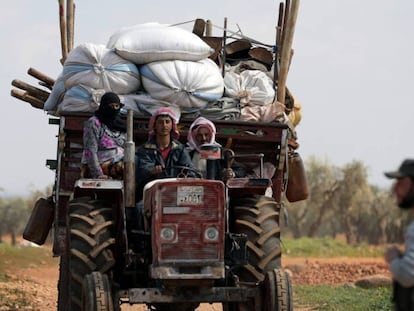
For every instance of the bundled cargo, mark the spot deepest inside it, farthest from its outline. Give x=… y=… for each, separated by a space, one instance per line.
x=80 y=98
x=94 y=66
x=188 y=84
x=151 y=42
x=251 y=87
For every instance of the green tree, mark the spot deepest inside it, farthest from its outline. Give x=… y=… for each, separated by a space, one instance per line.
x=13 y=212
x=307 y=218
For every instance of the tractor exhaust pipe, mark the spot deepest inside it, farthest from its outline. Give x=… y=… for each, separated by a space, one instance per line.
x=129 y=162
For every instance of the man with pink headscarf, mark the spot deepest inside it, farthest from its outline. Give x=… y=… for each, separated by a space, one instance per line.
x=162 y=155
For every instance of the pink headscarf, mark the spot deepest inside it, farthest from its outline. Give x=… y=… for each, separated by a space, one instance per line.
x=195 y=127
x=164 y=111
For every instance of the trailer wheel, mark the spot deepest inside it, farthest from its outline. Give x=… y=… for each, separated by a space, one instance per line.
x=258 y=218
x=96 y=293
x=91 y=241
x=277 y=291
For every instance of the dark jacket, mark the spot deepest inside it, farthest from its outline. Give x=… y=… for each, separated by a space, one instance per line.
x=148 y=156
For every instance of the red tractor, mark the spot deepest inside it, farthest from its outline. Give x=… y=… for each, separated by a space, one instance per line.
x=194 y=241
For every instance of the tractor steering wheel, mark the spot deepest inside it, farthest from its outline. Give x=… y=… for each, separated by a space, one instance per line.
x=183 y=173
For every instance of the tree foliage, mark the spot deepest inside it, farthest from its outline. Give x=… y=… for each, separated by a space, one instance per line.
x=15 y=212
x=342 y=202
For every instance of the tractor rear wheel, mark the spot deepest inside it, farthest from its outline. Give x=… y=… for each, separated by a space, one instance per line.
x=96 y=293
x=258 y=218
x=91 y=240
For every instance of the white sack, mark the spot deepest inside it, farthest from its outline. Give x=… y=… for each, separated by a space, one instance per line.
x=146 y=43
x=144 y=105
x=56 y=96
x=251 y=87
x=100 y=68
x=80 y=98
x=187 y=84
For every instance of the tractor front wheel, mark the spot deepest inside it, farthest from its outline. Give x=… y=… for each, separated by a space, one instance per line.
x=96 y=293
x=277 y=291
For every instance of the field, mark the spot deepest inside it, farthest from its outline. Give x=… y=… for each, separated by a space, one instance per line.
x=323 y=275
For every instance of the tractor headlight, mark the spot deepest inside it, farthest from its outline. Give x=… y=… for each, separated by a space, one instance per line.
x=167 y=234
x=211 y=234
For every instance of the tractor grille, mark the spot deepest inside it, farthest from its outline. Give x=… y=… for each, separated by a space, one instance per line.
x=189 y=222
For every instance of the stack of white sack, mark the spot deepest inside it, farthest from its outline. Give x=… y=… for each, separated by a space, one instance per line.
x=174 y=64
x=89 y=71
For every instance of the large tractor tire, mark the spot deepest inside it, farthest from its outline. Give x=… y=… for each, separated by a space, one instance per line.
x=91 y=240
x=96 y=293
x=258 y=218
x=277 y=291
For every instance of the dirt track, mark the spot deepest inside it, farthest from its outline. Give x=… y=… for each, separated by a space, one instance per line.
x=41 y=280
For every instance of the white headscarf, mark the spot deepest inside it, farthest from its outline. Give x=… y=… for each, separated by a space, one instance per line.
x=198 y=123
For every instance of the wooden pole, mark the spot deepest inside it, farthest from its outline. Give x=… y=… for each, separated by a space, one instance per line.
x=285 y=20
x=287 y=51
x=70 y=22
x=41 y=76
x=63 y=33
x=209 y=28
x=223 y=56
x=31 y=90
x=24 y=96
x=278 y=40
x=280 y=24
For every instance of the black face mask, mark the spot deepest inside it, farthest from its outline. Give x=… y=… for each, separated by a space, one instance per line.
x=109 y=116
x=408 y=201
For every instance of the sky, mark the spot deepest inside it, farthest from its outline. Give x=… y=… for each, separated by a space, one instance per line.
x=351 y=71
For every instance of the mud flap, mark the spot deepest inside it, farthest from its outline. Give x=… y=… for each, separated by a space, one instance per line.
x=40 y=221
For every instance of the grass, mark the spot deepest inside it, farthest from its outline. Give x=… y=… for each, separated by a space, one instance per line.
x=12 y=258
x=338 y=298
x=328 y=247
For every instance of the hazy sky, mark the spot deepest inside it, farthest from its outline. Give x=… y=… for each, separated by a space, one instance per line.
x=352 y=72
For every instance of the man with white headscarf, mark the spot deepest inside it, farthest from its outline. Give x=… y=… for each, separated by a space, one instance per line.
x=202 y=131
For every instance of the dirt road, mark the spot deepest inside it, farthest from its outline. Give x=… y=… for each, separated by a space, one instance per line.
x=41 y=281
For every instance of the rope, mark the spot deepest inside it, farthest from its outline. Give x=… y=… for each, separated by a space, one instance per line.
x=238 y=34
